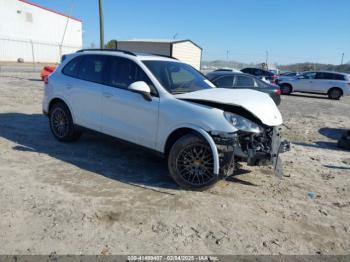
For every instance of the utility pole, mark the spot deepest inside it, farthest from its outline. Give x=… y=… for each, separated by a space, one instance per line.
x=100 y=7
x=227 y=53
x=267 y=58
x=342 y=58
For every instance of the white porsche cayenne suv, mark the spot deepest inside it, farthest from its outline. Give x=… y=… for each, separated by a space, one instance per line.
x=165 y=105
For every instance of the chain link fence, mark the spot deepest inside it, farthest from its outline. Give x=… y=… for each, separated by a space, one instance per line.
x=27 y=55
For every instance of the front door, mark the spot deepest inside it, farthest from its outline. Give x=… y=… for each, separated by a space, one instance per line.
x=305 y=82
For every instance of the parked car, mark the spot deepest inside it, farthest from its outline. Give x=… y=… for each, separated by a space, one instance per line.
x=235 y=80
x=46 y=71
x=333 y=84
x=261 y=73
x=166 y=106
x=286 y=76
x=226 y=70
x=289 y=74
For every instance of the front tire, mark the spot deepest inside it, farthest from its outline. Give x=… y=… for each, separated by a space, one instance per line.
x=191 y=163
x=286 y=89
x=335 y=93
x=61 y=123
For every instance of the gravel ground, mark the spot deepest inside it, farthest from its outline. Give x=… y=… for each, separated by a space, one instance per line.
x=100 y=196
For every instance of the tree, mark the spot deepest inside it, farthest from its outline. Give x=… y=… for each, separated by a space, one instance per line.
x=112 y=44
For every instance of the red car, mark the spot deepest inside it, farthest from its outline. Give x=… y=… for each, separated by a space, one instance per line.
x=46 y=71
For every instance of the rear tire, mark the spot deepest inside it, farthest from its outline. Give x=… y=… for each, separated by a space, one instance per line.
x=286 y=89
x=335 y=93
x=191 y=163
x=61 y=123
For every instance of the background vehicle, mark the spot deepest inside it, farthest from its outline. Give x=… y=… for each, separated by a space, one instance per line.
x=289 y=74
x=261 y=73
x=286 y=75
x=333 y=84
x=166 y=106
x=46 y=71
x=235 y=80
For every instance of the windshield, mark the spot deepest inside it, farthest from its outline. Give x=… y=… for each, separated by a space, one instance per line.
x=177 y=77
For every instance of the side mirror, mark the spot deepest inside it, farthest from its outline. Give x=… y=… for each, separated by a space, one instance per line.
x=142 y=88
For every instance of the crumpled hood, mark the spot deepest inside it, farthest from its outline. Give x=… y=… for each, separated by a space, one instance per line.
x=258 y=103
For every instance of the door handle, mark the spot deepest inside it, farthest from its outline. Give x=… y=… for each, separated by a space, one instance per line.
x=107 y=95
x=69 y=86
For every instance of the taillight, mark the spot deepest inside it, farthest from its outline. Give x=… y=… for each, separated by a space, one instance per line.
x=278 y=92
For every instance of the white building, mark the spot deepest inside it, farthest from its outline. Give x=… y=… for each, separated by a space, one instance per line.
x=35 y=33
x=184 y=50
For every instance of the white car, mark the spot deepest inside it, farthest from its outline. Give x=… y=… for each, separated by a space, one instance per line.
x=333 y=84
x=167 y=106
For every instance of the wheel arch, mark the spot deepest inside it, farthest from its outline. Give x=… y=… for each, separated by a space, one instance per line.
x=179 y=132
x=55 y=100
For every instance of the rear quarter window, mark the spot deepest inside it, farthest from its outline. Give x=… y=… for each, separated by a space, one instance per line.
x=71 y=69
x=339 y=77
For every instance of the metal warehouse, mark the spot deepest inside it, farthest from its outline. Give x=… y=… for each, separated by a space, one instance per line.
x=34 y=33
x=184 y=50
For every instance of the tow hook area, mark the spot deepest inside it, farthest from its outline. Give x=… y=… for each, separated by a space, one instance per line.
x=225 y=143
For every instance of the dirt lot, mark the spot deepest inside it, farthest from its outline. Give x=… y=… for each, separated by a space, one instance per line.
x=99 y=196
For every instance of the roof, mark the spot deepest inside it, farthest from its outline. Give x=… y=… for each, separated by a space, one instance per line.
x=166 y=41
x=49 y=10
x=123 y=53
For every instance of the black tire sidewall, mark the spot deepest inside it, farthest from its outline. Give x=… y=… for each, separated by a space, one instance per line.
x=330 y=94
x=72 y=134
x=286 y=87
x=174 y=151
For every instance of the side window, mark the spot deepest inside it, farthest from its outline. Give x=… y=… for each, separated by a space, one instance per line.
x=71 y=69
x=310 y=75
x=244 y=81
x=226 y=81
x=324 y=76
x=123 y=72
x=338 y=77
x=92 y=68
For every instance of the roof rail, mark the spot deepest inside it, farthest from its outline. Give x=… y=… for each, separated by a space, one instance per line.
x=108 y=50
x=168 y=56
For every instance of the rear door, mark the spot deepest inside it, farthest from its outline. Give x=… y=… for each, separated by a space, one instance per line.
x=85 y=91
x=125 y=114
x=323 y=82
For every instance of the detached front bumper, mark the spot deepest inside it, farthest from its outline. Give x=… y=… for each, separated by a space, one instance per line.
x=255 y=149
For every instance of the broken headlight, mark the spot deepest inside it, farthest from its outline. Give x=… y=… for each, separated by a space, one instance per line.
x=242 y=123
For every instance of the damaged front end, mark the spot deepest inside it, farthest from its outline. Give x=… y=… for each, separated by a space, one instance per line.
x=261 y=148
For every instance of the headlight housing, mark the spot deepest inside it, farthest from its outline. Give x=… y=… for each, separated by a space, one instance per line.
x=242 y=123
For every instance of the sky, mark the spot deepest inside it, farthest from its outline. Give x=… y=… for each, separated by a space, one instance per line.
x=243 y=30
